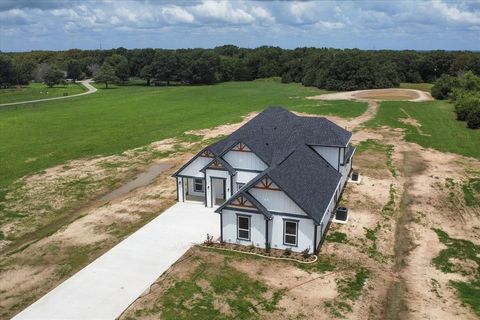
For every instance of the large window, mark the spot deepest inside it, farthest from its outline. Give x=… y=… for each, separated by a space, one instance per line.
x=290 y=232
x=198 y=185
x=243 y=227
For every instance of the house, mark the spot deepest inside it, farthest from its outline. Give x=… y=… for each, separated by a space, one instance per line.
x=275 y=181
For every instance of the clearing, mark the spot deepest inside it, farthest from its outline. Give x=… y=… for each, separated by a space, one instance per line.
x=383 y=264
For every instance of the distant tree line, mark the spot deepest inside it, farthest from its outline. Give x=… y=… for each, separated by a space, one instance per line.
x=464 y=92
x=320 y=67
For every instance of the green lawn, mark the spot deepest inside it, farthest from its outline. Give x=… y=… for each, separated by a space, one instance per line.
x=111 y=121
x=417 y=86
x=37 y=91
x=439 y=129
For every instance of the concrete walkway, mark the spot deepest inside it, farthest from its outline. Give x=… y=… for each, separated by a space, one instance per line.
x=107 y=286
x=86 y=83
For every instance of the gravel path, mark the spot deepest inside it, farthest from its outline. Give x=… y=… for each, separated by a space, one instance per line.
x=366 y=95
x=85 y=83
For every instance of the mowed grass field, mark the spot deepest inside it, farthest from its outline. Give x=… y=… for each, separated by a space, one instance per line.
x=37 y=91
x=437 y=127
x=114 y=120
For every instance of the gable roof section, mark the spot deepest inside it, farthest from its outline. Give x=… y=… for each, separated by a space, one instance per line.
x=308 y=180
x=276 y=132
x=243 y=192
x=223 y=165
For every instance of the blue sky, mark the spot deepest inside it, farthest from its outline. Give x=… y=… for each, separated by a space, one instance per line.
x=88 y=24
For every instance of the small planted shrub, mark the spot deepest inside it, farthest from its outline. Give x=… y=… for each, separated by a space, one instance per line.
x=287 y=252
x=268 y=247
x=306 y=253
x=209 y=240
x=251 y=247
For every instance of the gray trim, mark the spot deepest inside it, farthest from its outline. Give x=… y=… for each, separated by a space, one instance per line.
x=224 y=188
x=296 y=232
x=338 y=166
x=266 y=232
x=221 y=227
x=242 y=210
x=249 y=170
x=185 y=176
x=249 y=227
x=292 y=215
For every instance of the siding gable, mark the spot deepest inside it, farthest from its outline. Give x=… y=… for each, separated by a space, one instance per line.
x=276 y=201
x=244 y=160
x=193 y=169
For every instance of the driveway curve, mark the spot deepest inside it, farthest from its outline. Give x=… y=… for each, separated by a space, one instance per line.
x=108 y=285
x=86 y=83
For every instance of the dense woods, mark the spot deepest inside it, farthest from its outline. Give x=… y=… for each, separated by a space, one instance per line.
x=321 y=67
x=464 y=92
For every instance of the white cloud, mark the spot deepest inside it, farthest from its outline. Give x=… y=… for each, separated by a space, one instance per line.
x=176 y=14
x=221 y=11
x=455 y=14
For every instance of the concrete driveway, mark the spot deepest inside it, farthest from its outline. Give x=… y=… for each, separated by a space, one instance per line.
x=107 y=286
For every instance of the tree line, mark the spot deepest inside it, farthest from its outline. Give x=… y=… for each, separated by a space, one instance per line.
x=335 y=69
x=464 y=92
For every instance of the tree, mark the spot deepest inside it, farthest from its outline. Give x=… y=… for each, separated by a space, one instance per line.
x=165 y=66
x=147 y=73
x=74 y=70
x=53 y=76
x=444 y=86
x=120 y=65
x=106 y=74
x=6 y=71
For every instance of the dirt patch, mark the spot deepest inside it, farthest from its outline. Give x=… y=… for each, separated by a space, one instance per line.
x=377 y=94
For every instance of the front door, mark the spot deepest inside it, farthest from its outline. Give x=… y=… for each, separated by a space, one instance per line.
x=218 y=191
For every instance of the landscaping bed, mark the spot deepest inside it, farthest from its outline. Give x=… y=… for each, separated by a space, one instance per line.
x=302 y=257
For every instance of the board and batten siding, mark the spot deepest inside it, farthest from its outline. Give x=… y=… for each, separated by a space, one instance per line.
x=193 y=169
x=330 y=154
x=244 y=160
x=275 y=200
x=305 y=233
x=257 y=227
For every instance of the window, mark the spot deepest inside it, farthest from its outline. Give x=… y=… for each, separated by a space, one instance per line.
x=198 y=185
x=290 y=230
x=243 y=226
x=240 y=185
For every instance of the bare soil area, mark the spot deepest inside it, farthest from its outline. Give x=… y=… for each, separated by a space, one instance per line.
x=377 y=94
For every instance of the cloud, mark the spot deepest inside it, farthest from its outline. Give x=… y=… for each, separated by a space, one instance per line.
x=456 y=14
x=138 y=23
x=174 y=15
x=221 y=11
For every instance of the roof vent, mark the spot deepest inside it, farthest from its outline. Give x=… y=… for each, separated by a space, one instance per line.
x=266 y=143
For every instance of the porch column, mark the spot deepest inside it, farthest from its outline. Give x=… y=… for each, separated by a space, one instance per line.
x=180 y=191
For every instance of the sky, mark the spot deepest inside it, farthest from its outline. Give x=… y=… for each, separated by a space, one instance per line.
x=92 y=24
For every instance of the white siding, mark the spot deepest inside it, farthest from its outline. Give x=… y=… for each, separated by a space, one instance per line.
x=244 y=160
x=245 y=176
x=345 y=170
x=193 y=169
x=276 y=201
x=257 y=228
x=305 y=234
x=328 y=153
x=180 y=189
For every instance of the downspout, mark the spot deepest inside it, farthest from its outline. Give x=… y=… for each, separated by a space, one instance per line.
x=315 y=239
x=221 y=226
x=266 y=232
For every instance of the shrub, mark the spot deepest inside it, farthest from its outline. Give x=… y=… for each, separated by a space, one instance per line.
x=287 y=252
x=473 y=117
x=306 y=253
x=268 y=247
x=209 y=240
x=444 y=86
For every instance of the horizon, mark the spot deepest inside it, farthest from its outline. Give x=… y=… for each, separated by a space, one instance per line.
x=27 y=25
